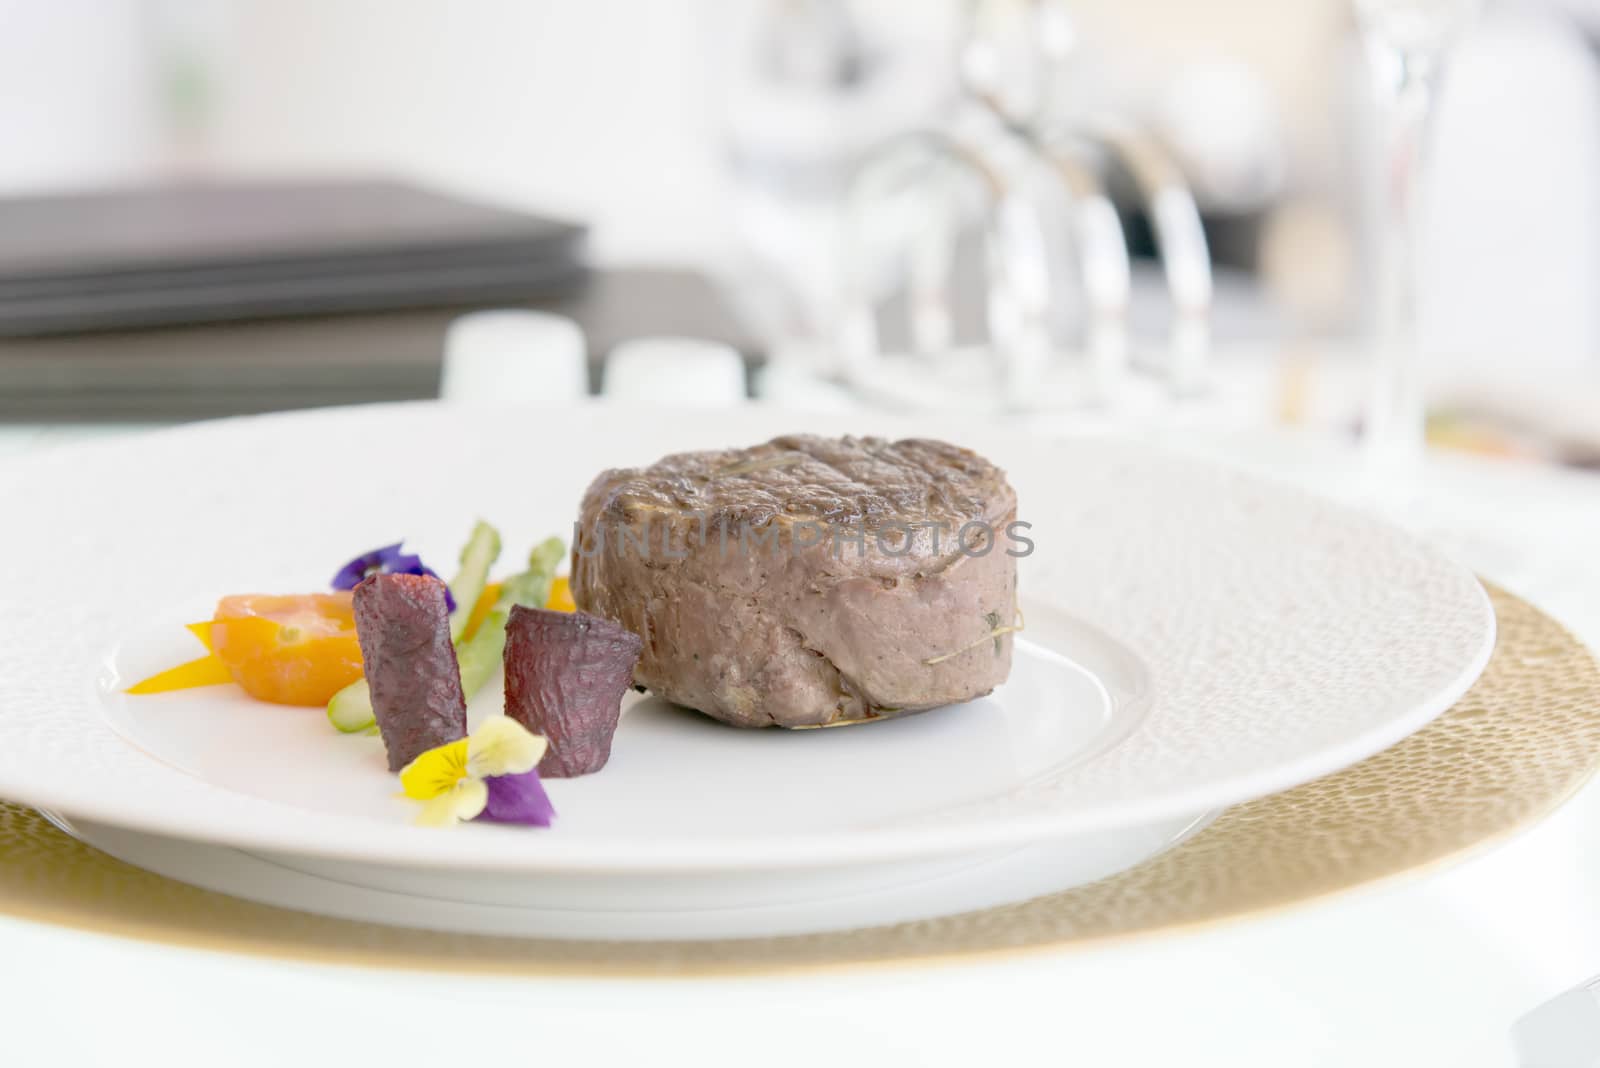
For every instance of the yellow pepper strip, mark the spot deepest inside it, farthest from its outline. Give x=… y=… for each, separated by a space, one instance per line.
x=561 y=596
x=201 y=630
x=480 y=610
x=206 y=671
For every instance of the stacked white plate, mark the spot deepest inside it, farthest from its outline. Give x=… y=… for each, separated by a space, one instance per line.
x=1195 y=638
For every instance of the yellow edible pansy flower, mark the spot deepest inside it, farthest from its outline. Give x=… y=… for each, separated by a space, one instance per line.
x=448 y=779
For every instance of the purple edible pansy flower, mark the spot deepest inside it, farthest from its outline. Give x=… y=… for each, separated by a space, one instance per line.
x=517 y=799
x=388 y=560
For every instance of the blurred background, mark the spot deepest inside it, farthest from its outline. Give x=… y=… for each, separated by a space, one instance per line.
x=1151 y=210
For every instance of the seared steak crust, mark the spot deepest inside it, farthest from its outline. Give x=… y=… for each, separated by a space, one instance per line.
x=806 y=581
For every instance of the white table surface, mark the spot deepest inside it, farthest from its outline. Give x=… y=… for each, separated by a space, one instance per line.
x=1424 y=970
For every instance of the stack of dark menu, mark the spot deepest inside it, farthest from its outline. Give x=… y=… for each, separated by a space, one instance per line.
x=203 y=298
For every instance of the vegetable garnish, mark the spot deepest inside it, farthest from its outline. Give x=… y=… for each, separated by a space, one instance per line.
x=387 y=560
x=208 y=670
x=205 y=671
x=286 y=650
x=481 y=551
x=489 y=774
x=411 y=673
x=481 y=610
x=482 y=640
x=561 y=596
x=290 y=650
x=350 y=710
x=566 y=673
x=191 y=674
x=482 y=654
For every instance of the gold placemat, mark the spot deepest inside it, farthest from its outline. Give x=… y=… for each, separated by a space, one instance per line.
x=1520 y=742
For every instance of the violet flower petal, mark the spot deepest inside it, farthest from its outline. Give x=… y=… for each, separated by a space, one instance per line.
x=419 y=568
x=518 y=799
x=351 y=574
x=387 y=560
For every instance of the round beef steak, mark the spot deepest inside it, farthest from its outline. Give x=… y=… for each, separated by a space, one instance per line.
x=807 y=581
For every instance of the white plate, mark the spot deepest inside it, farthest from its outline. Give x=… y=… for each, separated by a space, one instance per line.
x=676 y=906
x=1196 y=637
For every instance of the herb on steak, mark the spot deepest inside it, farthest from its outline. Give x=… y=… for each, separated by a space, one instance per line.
x=403 y=624
x=992 y=620
x=566 y=673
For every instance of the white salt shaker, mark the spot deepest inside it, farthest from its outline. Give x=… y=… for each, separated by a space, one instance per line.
x=514 y=357
x=675 y=370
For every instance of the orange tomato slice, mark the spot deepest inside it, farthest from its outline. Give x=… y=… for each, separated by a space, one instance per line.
x=290 y=650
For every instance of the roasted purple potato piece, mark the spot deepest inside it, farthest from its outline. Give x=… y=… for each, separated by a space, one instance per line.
x=403 y=624
x=566 y=673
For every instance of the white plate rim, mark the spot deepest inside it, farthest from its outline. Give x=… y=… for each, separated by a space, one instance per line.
x=281 y=883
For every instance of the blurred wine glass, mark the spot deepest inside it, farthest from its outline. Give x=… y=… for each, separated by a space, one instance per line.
x=1407 y=43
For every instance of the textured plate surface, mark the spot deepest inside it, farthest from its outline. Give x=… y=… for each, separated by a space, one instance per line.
x=1259 y=638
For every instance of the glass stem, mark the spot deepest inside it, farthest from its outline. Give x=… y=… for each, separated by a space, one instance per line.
x=1396 y=417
